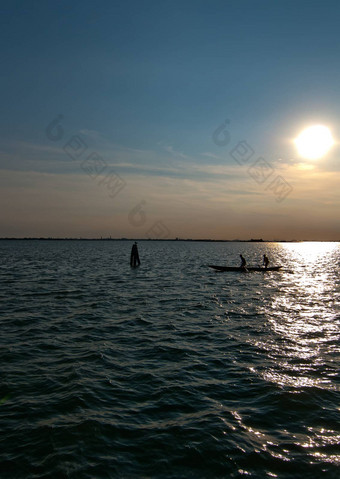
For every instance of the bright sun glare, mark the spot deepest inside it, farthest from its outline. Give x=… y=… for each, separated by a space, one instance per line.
x=314 y=142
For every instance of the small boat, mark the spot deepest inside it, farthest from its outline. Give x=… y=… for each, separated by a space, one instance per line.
x=244 y=270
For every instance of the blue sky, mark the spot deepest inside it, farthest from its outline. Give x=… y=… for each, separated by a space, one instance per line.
x=144 y=85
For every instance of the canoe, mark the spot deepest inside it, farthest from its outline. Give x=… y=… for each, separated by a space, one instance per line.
x=244 y=270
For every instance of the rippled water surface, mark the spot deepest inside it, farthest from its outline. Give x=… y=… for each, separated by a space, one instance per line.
x=169 y=370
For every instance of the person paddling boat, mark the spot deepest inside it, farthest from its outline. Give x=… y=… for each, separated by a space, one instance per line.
x=243 y=262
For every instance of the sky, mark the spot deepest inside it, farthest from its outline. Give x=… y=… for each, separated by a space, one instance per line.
x=165 y=119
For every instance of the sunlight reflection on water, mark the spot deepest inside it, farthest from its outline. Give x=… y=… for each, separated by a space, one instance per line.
x=303 y=316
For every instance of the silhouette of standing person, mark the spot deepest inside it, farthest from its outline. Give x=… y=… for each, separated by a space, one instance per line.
x=134 y=259
x=243 y=262
x=265 y=261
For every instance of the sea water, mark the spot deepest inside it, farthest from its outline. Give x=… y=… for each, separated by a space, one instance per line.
x=169 y=370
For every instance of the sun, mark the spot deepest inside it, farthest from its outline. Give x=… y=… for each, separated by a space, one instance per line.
x=314 y=142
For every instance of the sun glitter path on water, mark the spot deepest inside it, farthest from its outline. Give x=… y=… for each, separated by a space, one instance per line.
x=314 y=142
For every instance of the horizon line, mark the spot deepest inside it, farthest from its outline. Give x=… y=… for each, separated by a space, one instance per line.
x=207 y=240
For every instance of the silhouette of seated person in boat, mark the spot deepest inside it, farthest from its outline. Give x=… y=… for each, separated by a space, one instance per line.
x=243 y=262
x=265 y=261
x=134 y=259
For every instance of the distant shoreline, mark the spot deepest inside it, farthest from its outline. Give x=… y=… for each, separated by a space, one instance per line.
x=202 y=240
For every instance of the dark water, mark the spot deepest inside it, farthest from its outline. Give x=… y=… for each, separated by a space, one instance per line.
x=171 y=370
